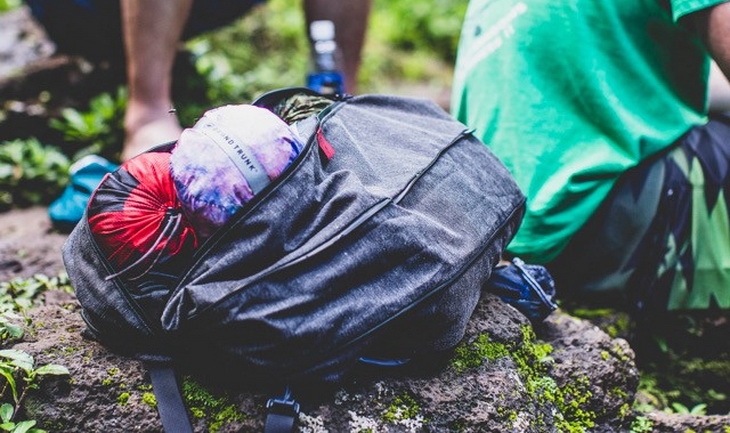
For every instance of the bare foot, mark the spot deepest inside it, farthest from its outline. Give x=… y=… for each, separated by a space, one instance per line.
x=149 y=135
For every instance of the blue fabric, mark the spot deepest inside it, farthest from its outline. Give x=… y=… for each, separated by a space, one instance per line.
x=529 y=288
x=86 y=174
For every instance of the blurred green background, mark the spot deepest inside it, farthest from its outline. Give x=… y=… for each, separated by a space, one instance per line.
x=409 y=49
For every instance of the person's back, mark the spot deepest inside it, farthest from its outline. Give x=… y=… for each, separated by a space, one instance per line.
x=577 y=92
x=572 y=94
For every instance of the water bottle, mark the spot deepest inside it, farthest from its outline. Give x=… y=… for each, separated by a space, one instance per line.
x=325 y=75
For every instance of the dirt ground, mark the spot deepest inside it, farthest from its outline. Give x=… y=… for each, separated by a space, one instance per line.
x=28 y=244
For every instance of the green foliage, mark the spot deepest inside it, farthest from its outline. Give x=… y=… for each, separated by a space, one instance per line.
x=405 y=42
x=641 y=424
x=678 y=385
x=432 y=27
x=11 y=326
x=96 y=131
x=266 y=49
x=8 y=5
x=30 y=173
x=676 y=407
x=20 y=375
x=20 y=294
x=273 y=54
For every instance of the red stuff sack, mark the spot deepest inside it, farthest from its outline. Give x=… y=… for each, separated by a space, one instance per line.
x=136 y=217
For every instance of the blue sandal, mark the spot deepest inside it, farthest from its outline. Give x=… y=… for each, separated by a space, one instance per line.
x=86 y=174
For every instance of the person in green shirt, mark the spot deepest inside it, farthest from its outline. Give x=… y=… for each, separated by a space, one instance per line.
x=599 y=110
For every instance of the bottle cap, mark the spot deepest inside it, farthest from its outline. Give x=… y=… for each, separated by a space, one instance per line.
x=322 y=30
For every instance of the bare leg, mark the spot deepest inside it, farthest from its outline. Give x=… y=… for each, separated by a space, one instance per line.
x=350 y=18
x=152 y=31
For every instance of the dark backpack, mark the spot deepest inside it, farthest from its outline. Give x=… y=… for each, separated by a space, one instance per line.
x=373 y=246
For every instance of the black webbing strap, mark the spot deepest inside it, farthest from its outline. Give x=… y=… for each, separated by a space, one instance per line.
x=282 y=413
x=170 y=404
x=276 y=423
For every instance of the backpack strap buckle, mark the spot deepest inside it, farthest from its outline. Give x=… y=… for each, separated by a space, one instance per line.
x=282 y=413
x=283 y=406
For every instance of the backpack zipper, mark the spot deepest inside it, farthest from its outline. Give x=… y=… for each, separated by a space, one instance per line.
x=444 y=285
x=221 y=233
x=360 y=220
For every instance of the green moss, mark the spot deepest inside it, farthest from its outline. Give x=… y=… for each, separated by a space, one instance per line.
x=605 y=355
x=218 y=411
x=596 y=313
x=226 y=415
x=474 y=354
x=570 y=401
x=68 y=350
x=619 y=393
x=149 y=399
x=619 y=351
x=624 y=411
x=641 y=424
x=532 y=361
x=123 y=399
x=403 y=407
x=113 y=371
x=107 y=382
x=621 y=326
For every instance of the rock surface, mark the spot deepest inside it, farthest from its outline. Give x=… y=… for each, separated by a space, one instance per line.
x=588 y=379
x=566 y=375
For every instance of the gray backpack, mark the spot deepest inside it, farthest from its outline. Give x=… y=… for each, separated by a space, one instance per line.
x=372 y=247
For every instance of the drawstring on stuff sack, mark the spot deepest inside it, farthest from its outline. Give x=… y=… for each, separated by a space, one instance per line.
x=137 y=219
x=171 y=215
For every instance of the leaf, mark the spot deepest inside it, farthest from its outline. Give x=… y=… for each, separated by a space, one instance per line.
x=6 y=412
x=23 y=426
x=9 y=329
x=52 y=369
x=699 y=409
x=14 y=331
x=19 y=359
x=7 y=373
x=7 y=426
x=74 y=119
x=680 y=408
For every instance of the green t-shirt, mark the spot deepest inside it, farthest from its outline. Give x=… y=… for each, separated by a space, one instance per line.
x=571 y=93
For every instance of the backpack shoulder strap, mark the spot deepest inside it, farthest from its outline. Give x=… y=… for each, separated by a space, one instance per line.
x=170 y=404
